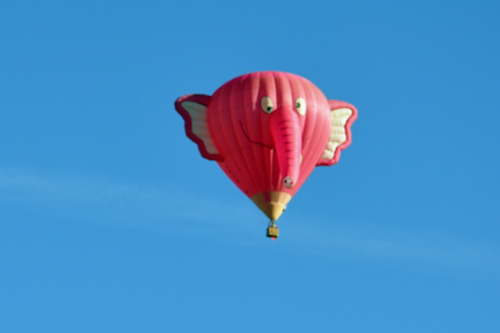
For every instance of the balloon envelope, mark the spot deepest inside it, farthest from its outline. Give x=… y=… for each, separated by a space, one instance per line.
x=267 y=131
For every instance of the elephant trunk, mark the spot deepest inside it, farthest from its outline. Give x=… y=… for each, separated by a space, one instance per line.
x=287 y=137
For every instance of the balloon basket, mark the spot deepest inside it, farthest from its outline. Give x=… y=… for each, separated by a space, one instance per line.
x=273 y=231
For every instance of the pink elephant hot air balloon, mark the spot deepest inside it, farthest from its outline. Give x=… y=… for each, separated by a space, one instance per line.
x=267 y=131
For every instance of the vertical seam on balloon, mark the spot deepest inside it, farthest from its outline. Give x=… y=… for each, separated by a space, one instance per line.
x=297 y=128
x=298 y=91
x=261 y=151
x=267 y=157
x=235 y=125
x=325 y=126
x=293 y=128
x=310 y=106
x=237 y=173
x=319 y=129
x=223 y=140
x=276 y=185
x=313 y=104
x=234 y=174
x=247 y=88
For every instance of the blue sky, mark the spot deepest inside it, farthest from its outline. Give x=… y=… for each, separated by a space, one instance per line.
x=110 y=220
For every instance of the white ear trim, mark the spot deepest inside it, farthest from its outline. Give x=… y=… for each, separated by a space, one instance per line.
x=337 y=134
x=198 y=114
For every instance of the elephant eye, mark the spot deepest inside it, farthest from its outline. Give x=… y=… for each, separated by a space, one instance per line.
x=300 y=105
x=266 y=104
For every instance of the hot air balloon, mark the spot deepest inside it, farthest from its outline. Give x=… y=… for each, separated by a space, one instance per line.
x=267 y=131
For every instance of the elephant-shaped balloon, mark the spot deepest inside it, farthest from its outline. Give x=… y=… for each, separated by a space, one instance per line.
x=267 y=131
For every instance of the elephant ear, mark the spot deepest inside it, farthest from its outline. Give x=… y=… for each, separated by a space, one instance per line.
x=193 y=109
x=343 y=115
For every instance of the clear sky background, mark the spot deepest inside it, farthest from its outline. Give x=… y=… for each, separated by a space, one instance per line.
x=110 y=220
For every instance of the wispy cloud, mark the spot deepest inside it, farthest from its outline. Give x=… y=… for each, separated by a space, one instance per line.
x=111 y=202
x=368 y=241
x=169 y=210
